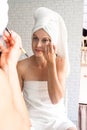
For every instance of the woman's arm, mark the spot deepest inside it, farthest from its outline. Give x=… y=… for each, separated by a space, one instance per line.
x=56 y=79
x=56 y=74
x=10 y=117
x=8 y=62
x=17 y=94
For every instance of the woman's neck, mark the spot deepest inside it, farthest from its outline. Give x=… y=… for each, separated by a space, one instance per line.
x=40 y=62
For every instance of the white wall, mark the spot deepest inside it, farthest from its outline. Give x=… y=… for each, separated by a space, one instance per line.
x=85 y=14
x=21 y=20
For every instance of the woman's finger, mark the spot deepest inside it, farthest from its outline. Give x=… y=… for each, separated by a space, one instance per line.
x=46 y=49
x=2 y=48
x=54 y=47
x=51 y=48
x=12 y=40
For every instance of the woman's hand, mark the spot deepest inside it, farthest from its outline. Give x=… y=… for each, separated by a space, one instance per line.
x=50 y=53
x=10 y=54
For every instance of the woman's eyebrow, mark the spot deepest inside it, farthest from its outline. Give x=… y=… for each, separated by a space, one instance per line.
x=43 y=36
x=34 y=34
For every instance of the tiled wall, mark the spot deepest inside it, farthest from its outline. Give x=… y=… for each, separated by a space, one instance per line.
x=21 y=20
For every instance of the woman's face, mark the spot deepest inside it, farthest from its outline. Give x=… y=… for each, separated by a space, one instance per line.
x=39 y=40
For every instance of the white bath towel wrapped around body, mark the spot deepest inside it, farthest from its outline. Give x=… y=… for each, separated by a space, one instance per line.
x=43 y=114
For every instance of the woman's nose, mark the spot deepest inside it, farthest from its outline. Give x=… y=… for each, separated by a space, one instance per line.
x=39 y=43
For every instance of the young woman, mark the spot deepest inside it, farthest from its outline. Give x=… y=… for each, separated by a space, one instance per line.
x=42 y=76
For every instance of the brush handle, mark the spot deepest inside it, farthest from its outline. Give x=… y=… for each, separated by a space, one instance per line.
x=22 y=49
x=8 y=31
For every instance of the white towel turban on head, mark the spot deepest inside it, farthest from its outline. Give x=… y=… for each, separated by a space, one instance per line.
x=54 y=25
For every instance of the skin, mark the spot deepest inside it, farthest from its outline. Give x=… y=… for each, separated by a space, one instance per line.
x=13 y=111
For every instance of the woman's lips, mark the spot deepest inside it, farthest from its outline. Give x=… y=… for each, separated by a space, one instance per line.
x=38 y=50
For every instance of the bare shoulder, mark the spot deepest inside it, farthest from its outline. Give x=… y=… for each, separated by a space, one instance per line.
x=22 y=62
x=22 y=65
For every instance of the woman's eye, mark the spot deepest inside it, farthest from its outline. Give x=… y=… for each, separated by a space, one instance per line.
x=35 y=38
x=45 y=40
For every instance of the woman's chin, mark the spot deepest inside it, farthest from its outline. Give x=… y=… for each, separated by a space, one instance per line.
x=38 y=54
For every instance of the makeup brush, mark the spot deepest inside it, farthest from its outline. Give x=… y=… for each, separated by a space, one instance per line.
x=22 y=49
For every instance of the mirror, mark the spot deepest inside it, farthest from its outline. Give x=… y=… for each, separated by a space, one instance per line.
x=83 y=75
x=21 y=20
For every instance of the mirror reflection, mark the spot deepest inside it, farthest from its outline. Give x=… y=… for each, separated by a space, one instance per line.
x=22 y=22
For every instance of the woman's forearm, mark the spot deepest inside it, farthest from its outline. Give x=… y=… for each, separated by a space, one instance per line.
x=55 y=88
x=17 y=94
